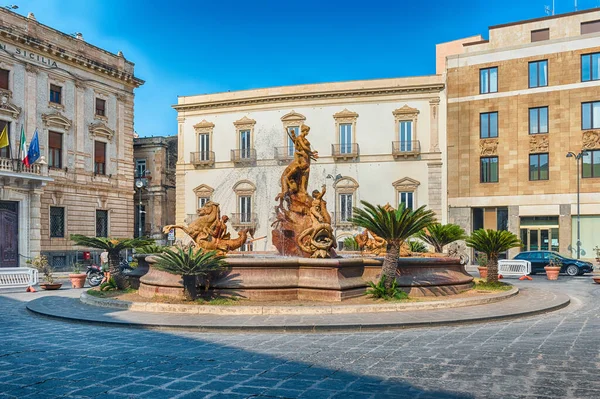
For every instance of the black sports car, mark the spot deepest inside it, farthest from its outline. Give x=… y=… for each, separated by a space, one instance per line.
x=540 y=259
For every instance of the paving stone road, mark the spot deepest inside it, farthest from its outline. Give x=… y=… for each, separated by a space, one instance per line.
x=554 y=355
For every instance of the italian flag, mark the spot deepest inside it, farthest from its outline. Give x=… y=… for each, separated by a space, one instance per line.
x=23 y=147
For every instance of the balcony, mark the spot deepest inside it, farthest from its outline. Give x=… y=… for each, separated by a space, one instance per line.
x=202 y=159
x=245 y=156
x=243 y=220
x=406 y=148
x=284 y=154
x=14 y=173
x=344 y=151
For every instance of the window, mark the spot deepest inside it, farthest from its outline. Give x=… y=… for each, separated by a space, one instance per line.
x=5 y=151
x=538 y=73
x=590 y=67
x=290 y=143
x=101 y=223
x=540 y=34
x=55 y=94
x=137 y=223
x=590 y=115
x=488 y=125
x=204 y=146
x=57 y=221
x=591 y=164
x=489 y=169
x=100 y=107
x=345 y=207
x=538 y=120
x=140 y=167
x=245 y=208
x=488 y=80
x=345 y=138
x=538 y=167
x=245 y=144
x=405 y=130
x=99 y=158
x=4 y=79
x=590 y=27
x=202 y=201
x=55 y=150
x=406 y=198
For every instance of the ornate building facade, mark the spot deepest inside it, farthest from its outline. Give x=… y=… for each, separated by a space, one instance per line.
x=80 y=99
x=518 y=103
x=378 y=140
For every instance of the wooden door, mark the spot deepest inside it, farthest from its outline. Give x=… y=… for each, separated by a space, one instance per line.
x=9 y=234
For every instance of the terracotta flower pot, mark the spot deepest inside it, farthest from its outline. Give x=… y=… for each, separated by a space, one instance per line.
x=53 y=286
x=552 y=272
x=482 y=271
x=77 y=280
x=596 y=279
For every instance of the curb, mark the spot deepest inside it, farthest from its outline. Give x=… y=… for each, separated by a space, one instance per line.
x=291 y=310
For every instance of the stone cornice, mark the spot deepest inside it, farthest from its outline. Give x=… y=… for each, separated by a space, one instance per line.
x=317 y=95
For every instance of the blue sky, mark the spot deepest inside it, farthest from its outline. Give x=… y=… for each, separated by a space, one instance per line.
x=196 y=47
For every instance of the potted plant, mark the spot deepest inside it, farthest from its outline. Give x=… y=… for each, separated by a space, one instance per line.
x=40 y=262
x=492 y=243
x=482 y=262
x=77 y=277
x=553 y=268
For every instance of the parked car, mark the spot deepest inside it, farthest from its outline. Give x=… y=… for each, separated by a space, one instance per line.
x=540 y=259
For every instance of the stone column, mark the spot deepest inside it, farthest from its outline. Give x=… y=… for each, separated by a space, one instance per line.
x=79 y=123
x=462 y=217
x=180 y=141
x=434 y=110
x=434 y=187
x=35 y=222
x=565 y=228
x=30 y=101
x=514 y=224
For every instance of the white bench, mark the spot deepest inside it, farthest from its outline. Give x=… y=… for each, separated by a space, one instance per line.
x=16 y=277
x=515 y=268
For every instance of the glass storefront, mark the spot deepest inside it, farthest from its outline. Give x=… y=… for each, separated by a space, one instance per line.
x=539 y=233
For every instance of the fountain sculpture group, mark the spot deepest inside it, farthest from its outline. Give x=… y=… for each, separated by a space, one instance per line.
x=307 y=267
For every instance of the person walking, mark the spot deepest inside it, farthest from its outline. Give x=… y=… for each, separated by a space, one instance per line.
x=104 y=266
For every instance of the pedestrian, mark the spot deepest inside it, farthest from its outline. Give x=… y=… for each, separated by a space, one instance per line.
x=104 y=266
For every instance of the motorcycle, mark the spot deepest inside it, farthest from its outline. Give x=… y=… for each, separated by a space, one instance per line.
x=95 y=275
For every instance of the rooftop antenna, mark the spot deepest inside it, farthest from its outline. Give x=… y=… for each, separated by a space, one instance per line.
x=547 y=9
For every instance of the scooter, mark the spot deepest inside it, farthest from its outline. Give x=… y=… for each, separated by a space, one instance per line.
x=95 y=274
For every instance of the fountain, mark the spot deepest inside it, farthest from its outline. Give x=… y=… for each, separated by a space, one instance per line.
x=307 y=266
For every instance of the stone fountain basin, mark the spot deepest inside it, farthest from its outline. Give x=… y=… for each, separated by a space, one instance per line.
x=277 y=278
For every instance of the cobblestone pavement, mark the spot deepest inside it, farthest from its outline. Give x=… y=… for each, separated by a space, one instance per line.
x=554 y=355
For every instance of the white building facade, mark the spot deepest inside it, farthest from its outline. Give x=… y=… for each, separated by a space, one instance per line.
x=379 y=141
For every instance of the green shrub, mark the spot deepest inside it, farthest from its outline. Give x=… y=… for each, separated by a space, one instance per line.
x=350 y=244
x=417 y=246
x=379 y=291
x=110 y=285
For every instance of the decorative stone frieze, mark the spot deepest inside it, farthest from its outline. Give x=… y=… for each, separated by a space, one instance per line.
x=56 y=119
x=591 y=140
x=405 y=113
x=204 y=191
x=244 y=187
x=100 y=130
x=538 y=143
x=406 y=184
x=292 y=119
x=488 y=147
x=244 y=124
x=10 y=110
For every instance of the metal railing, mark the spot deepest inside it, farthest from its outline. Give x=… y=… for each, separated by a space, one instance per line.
x=243 y=219
x=406 y=148
x=202 y=158
x=17 y=166
x=284 y=154
x=344 y=151
x=247 y=155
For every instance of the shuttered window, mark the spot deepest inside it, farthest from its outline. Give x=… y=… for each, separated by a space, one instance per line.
x=100 y=107
x=590 y=27
x=539 y=35
x=55 y=150
x=4 y=79
x=99 y=158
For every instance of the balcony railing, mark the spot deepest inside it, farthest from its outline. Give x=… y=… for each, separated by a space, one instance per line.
x=17 y=166
x=284 y=154
x=203 y=158
x=243 y=220
x=344 y=151
x=243 y=156
x=406 y=148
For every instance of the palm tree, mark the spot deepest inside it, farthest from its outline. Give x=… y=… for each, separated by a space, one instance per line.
x=113 y=246
x=492 y=243
x=189 y=264
x=394 y=226
x=439 y=235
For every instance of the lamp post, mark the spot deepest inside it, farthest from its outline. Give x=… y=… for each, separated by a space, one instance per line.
x=578 y=158
x=335 y=179
x=140 y=183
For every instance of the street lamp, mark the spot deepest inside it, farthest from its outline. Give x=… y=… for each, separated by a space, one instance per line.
x=578 y=157
x=140 y=183
x=335 y=179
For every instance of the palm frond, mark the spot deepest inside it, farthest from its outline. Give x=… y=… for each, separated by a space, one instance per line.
x=493 y=242
x=189 y=262
x=109 y=244
x=439 y=235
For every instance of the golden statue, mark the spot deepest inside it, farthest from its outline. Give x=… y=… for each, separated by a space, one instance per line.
x=209 y=230
x=303 y=224
x=370 y=243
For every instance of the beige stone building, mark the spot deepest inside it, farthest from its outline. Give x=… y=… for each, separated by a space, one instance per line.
x=516 y=105
x=80 y=99
x=155 y=162
x=378 y=140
